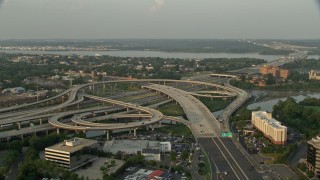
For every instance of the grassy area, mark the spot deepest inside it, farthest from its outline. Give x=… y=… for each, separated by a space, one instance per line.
x=216 y=104
x=131 y=98
x=176 y=130
x=207 y=165
x=171 y=109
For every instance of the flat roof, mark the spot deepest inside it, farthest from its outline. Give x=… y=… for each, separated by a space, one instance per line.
x=62 y=147
x=315 y=142
x=151 y=151
x=263 y=115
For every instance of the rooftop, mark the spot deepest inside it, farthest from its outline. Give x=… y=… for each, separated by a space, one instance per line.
x=315 y=142
x=129 y=146
x=263 y=115
x=72 y=145
x=151 y=151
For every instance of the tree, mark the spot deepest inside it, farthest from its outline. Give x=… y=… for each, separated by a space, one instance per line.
x=173 y=156
x=15 y=145
x=102 y=168
x=113 y=162
x=184 y=155
x=270 y=79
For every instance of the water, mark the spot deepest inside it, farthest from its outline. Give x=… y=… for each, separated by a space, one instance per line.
x=267 y=105
x=180 y=55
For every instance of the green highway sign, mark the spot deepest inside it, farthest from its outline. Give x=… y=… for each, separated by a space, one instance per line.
x=226 y=134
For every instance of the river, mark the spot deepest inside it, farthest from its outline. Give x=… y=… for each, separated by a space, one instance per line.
x=161 y=54
x=267 y=105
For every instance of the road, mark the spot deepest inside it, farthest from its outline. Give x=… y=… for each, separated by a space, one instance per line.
x=201 y=121
x=204 y=124
x=226 y=161
x=298 y=55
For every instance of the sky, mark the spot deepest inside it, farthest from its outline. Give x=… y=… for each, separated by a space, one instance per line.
x=157 y=19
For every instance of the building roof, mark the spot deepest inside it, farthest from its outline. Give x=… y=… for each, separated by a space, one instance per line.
x=263 y=115
x=155 y=174
x=150 y=151
x=129 y=146
x=315 y=142
x=70 y=149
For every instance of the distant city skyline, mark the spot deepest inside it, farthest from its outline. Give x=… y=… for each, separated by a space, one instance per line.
x=159 y=19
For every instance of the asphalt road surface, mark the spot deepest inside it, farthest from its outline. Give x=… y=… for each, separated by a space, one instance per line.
x=227 y=162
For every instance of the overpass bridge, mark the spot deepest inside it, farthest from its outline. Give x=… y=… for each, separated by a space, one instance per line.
x=74 y=98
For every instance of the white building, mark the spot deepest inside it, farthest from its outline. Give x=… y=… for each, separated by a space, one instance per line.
x=165 y=147
x=314 y=75
x=135 y=146
x=270 y=127
x=151 y=154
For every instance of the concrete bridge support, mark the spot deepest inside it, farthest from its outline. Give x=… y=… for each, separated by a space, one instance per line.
x=135 y=132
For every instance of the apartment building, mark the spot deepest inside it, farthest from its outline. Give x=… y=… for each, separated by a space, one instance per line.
x=313 y=156
x=270 y=127
x=274 y=71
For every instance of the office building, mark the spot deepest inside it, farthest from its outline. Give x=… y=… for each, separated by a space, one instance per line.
x=68 y=153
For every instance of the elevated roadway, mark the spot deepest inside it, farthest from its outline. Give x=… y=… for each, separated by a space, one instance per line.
x=204 y=124
x=298 y=55
x=156 y=117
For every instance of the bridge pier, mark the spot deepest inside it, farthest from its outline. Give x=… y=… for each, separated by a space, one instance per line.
x=19 y=125
x=40 y=120
x=107 y=133
x=147 y=127
x=58 y=131
x=128 y=109
x=152 y=127
x=135 y=132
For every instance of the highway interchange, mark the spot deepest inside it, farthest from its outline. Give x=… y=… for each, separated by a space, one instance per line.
x=226 y=160
x=205 y=127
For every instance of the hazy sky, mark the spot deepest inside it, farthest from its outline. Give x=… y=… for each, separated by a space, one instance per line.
x=217 y=19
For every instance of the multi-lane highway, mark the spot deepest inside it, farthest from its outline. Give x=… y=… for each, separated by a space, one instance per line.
x=204 y=124
x=298 y=55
